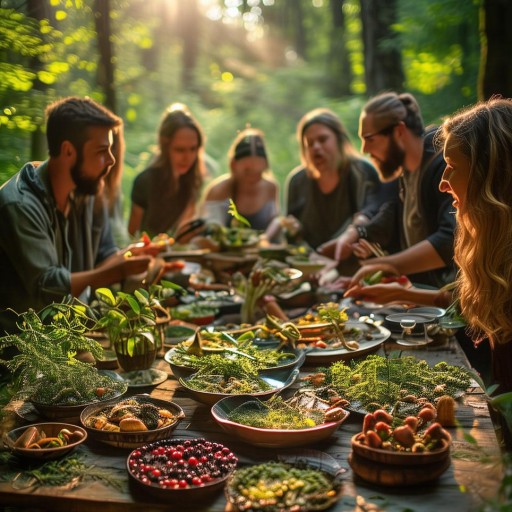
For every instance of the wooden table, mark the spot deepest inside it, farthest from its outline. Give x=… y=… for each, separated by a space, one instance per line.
x=461 y=488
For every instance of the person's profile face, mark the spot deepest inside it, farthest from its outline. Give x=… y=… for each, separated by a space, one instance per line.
x=93 y=161
x=321 y=147
x=183 y=150
x=379 y=142
x=455 y=178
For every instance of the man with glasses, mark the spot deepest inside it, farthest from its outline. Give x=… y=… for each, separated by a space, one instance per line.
x=420 y=221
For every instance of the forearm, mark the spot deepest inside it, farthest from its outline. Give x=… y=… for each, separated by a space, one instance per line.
x=421 y=257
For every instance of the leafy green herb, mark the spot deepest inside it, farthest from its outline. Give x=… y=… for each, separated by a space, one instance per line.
x=276 y=413
x=232 y=210
x=378 y=382
x=70 y=470
x=45 y=368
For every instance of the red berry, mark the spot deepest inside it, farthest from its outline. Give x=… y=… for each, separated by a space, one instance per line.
x=197 y=480
x=193 y=461
x=182 y=484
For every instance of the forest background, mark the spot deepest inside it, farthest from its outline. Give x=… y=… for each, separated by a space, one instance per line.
x=238 y=62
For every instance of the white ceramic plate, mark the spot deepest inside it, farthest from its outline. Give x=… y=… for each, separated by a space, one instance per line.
x=144 y=378
x=378 y=334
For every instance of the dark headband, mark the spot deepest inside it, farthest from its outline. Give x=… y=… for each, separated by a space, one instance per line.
x=251 y=145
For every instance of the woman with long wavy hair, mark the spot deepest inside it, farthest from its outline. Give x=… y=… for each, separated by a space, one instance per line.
x=164 y=195
x=478 y=154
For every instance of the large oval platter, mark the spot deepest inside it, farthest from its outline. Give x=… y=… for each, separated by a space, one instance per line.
x=378 y=336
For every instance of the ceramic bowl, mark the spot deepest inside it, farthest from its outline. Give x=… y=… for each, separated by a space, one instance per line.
x=392 y=468
x=278 y=382
x=270 y=438
x=294 y=499
x=50 y=430
x=131 y=439
x=71 y=413
x=180 y=370
x=165 y=485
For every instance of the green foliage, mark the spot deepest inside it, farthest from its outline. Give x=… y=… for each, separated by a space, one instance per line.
x=45 y=367
x=128 y=316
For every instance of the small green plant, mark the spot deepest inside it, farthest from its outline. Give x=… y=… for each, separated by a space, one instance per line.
x=44 y=367
x=131 y=318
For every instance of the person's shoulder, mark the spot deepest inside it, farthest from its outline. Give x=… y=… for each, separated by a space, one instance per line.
x=365 y=166
x=297 y=174
x=219 y=188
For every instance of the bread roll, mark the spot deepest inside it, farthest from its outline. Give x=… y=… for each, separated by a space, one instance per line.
x=132 y=425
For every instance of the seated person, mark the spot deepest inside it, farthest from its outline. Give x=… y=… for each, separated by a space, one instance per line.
x=334 y=184
x=164 y=195
x=392 y=131
x=39 y=261
x=249 y=184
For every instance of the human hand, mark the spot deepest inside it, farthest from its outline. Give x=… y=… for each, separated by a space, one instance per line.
x=378 y=293
x=142 y=248
x=370 y=267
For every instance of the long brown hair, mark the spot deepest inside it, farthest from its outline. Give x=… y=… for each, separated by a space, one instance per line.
x=483 y=246
x=329 y=119
x=165 y=202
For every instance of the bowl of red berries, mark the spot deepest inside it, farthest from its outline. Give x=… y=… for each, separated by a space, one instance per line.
x=181 y=468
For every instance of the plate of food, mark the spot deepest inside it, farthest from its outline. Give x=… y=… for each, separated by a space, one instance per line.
x=276 y=422
x=359 y=338
x=131 y=422
x=44 y=441
x=209 y=389
x=144 y=378
x=266 y=487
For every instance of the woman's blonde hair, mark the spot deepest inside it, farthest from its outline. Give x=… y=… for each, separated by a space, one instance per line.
x=483 y=245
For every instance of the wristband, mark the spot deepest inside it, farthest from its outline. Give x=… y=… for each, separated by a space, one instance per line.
x=361 y=231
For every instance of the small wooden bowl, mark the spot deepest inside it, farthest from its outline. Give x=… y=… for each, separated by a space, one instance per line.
x=398 y=469
x=51 y=430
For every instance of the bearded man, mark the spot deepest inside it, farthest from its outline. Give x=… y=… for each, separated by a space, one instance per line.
x=53 y=242
x=421 y=220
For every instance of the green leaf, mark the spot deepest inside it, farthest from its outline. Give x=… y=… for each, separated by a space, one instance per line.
x=234 y=212
x=105 y=295
x=133 y=304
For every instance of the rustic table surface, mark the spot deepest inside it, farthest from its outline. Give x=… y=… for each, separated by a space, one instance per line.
x=469 y=480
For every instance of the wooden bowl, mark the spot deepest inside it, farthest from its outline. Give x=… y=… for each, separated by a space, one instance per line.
x=51 y=430
x=398 y=469
x=137 y=438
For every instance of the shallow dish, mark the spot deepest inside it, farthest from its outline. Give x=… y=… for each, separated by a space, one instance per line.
x=270 y=438
x=50 y=430
x=306 y=266
x=378 y=335
x=144 y=378
x=137 y=438
x=390 y=468
x=180 y=371
x=71 y=413
x=279 y=382
x=264 y=475
x=162 y=482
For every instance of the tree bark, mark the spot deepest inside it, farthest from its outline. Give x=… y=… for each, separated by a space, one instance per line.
x=189 y=30
x=382 y=56
x=106 y=52
x=339 y=58
x=495 y=71
x=38 y=150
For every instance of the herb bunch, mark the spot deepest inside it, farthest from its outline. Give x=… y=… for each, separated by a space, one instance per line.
x=388 y=383
x=45 y=368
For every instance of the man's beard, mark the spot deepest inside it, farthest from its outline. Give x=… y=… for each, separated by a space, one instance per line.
x=394 y=159
x=84 y=185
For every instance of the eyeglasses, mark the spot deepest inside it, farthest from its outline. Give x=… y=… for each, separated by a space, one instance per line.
x=385 y=131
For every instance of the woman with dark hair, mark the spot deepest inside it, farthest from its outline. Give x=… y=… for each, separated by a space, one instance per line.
x=164 y=195
x=249 y=184
x=334 y=184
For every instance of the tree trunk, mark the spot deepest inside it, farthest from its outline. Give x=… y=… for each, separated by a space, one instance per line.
x=495 y=71
x=106 y=53
x=38 y=150
x=189 y=31
x=294 y=20
x=340 y=70
x=382 y=56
